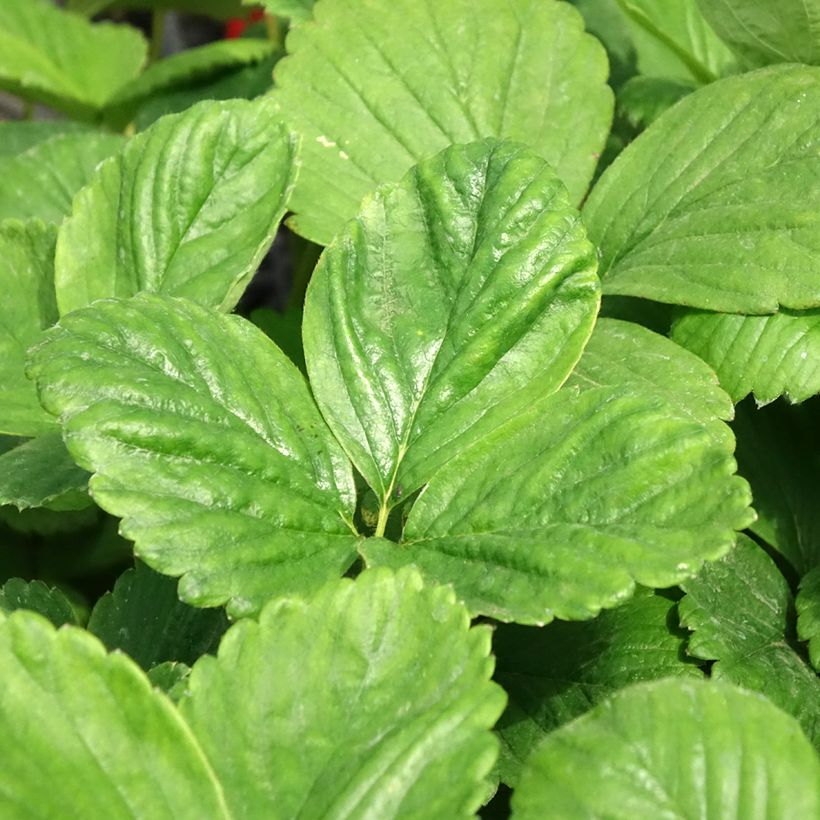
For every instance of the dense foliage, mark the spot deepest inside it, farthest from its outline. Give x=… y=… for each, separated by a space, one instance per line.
x=513 y=508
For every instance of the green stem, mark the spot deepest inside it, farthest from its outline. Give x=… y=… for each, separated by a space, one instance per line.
x=274 y=29
x=28 y=110
x=157 y=35
x=381 y=523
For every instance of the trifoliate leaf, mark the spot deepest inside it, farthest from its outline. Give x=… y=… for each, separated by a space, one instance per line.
x=37 y=597
x=17 y=136
x=808 y=614
x=144 y=618
x=760 y=33
x=742 y=615
x=769 y=356
x=39 y=472
x=204 y=437
x=372 y=699
x=717 y=204
x=27 y=282
x=456 y=298
x=86 y=731
x=778 y=452
x=674 y=748
x=674 y=42
x=555 y=673
x=563 y=510
x=194 y=65
x=188 y=208
x=41 y=183
x=376 y=86
x=622 y=354
x=56 y=57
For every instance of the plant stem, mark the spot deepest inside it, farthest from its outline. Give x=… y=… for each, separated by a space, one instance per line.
x=28 y=110
x=157 y=35
x=274 y=29
x=381 y=523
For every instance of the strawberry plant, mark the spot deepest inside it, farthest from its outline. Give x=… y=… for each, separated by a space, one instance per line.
x=514 y=512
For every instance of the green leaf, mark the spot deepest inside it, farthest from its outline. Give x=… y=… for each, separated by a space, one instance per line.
x=17 y=136
x=761 y=32
x=374 y=698
x=41 y=182
x=555 y=673
x=206 y=190
x=778 y=452
x=457 y=297
x=563 y=510
x=37 y=597
x=204 y=437
x=39 y=472
x=717 y=204
x=194 y=65
x=29 y=306
x=58 y=58
x=144 y=618
x=376 y=86
x=295 y=10
x=808 y=614
x=90 y=727
x=674 y=748
x=741 y=612
x=606 y=21
x=170 y=677
x=642 y=100
x=285 y=330
x=673 y=41
x=769 y=356
x=622 y=354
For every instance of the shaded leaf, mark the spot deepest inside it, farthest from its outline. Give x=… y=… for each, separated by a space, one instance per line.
x=769 y=356
x=674 y=748
x=295 y=10
x=204 y=437
x=562 y=511
x=381 y=668
x=456 y=298
x=56 y=57
x=741 y=612
x=207 y=189
x=17 y=136
x=376 y=86
x=37 y=597
x=285 y=330
x=144 y=618
x=717 y=204
x=555 y=673
x=808 y=614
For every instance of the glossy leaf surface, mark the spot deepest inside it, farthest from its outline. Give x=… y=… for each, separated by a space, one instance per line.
x=674 y=748
x=716 y=205
x=376 y=86
x=456 y=298
x=206 y=441
x=188 y=208
x=37 y=597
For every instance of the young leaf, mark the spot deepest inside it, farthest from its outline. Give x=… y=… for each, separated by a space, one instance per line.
x=91 y=727
x=188 y=208
x=39 y=472
x=675 y=748
x=717 y=204
x=295 y=10
x=144 y=618
x=808 y=614
x=27 y=280
x=769 y=356
x=56 y=57
x=457 y=297
x=555 y=673
x=741 y=612
x=187 y=67
x=204 y=437
x=17 y=136
x=777 y=452
x=673 y=41
x=372 y=699
x=376 y=86
x=563 y=510
x=37 y=597
x=40 y=183
x=622 y=354
x=764 y=31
